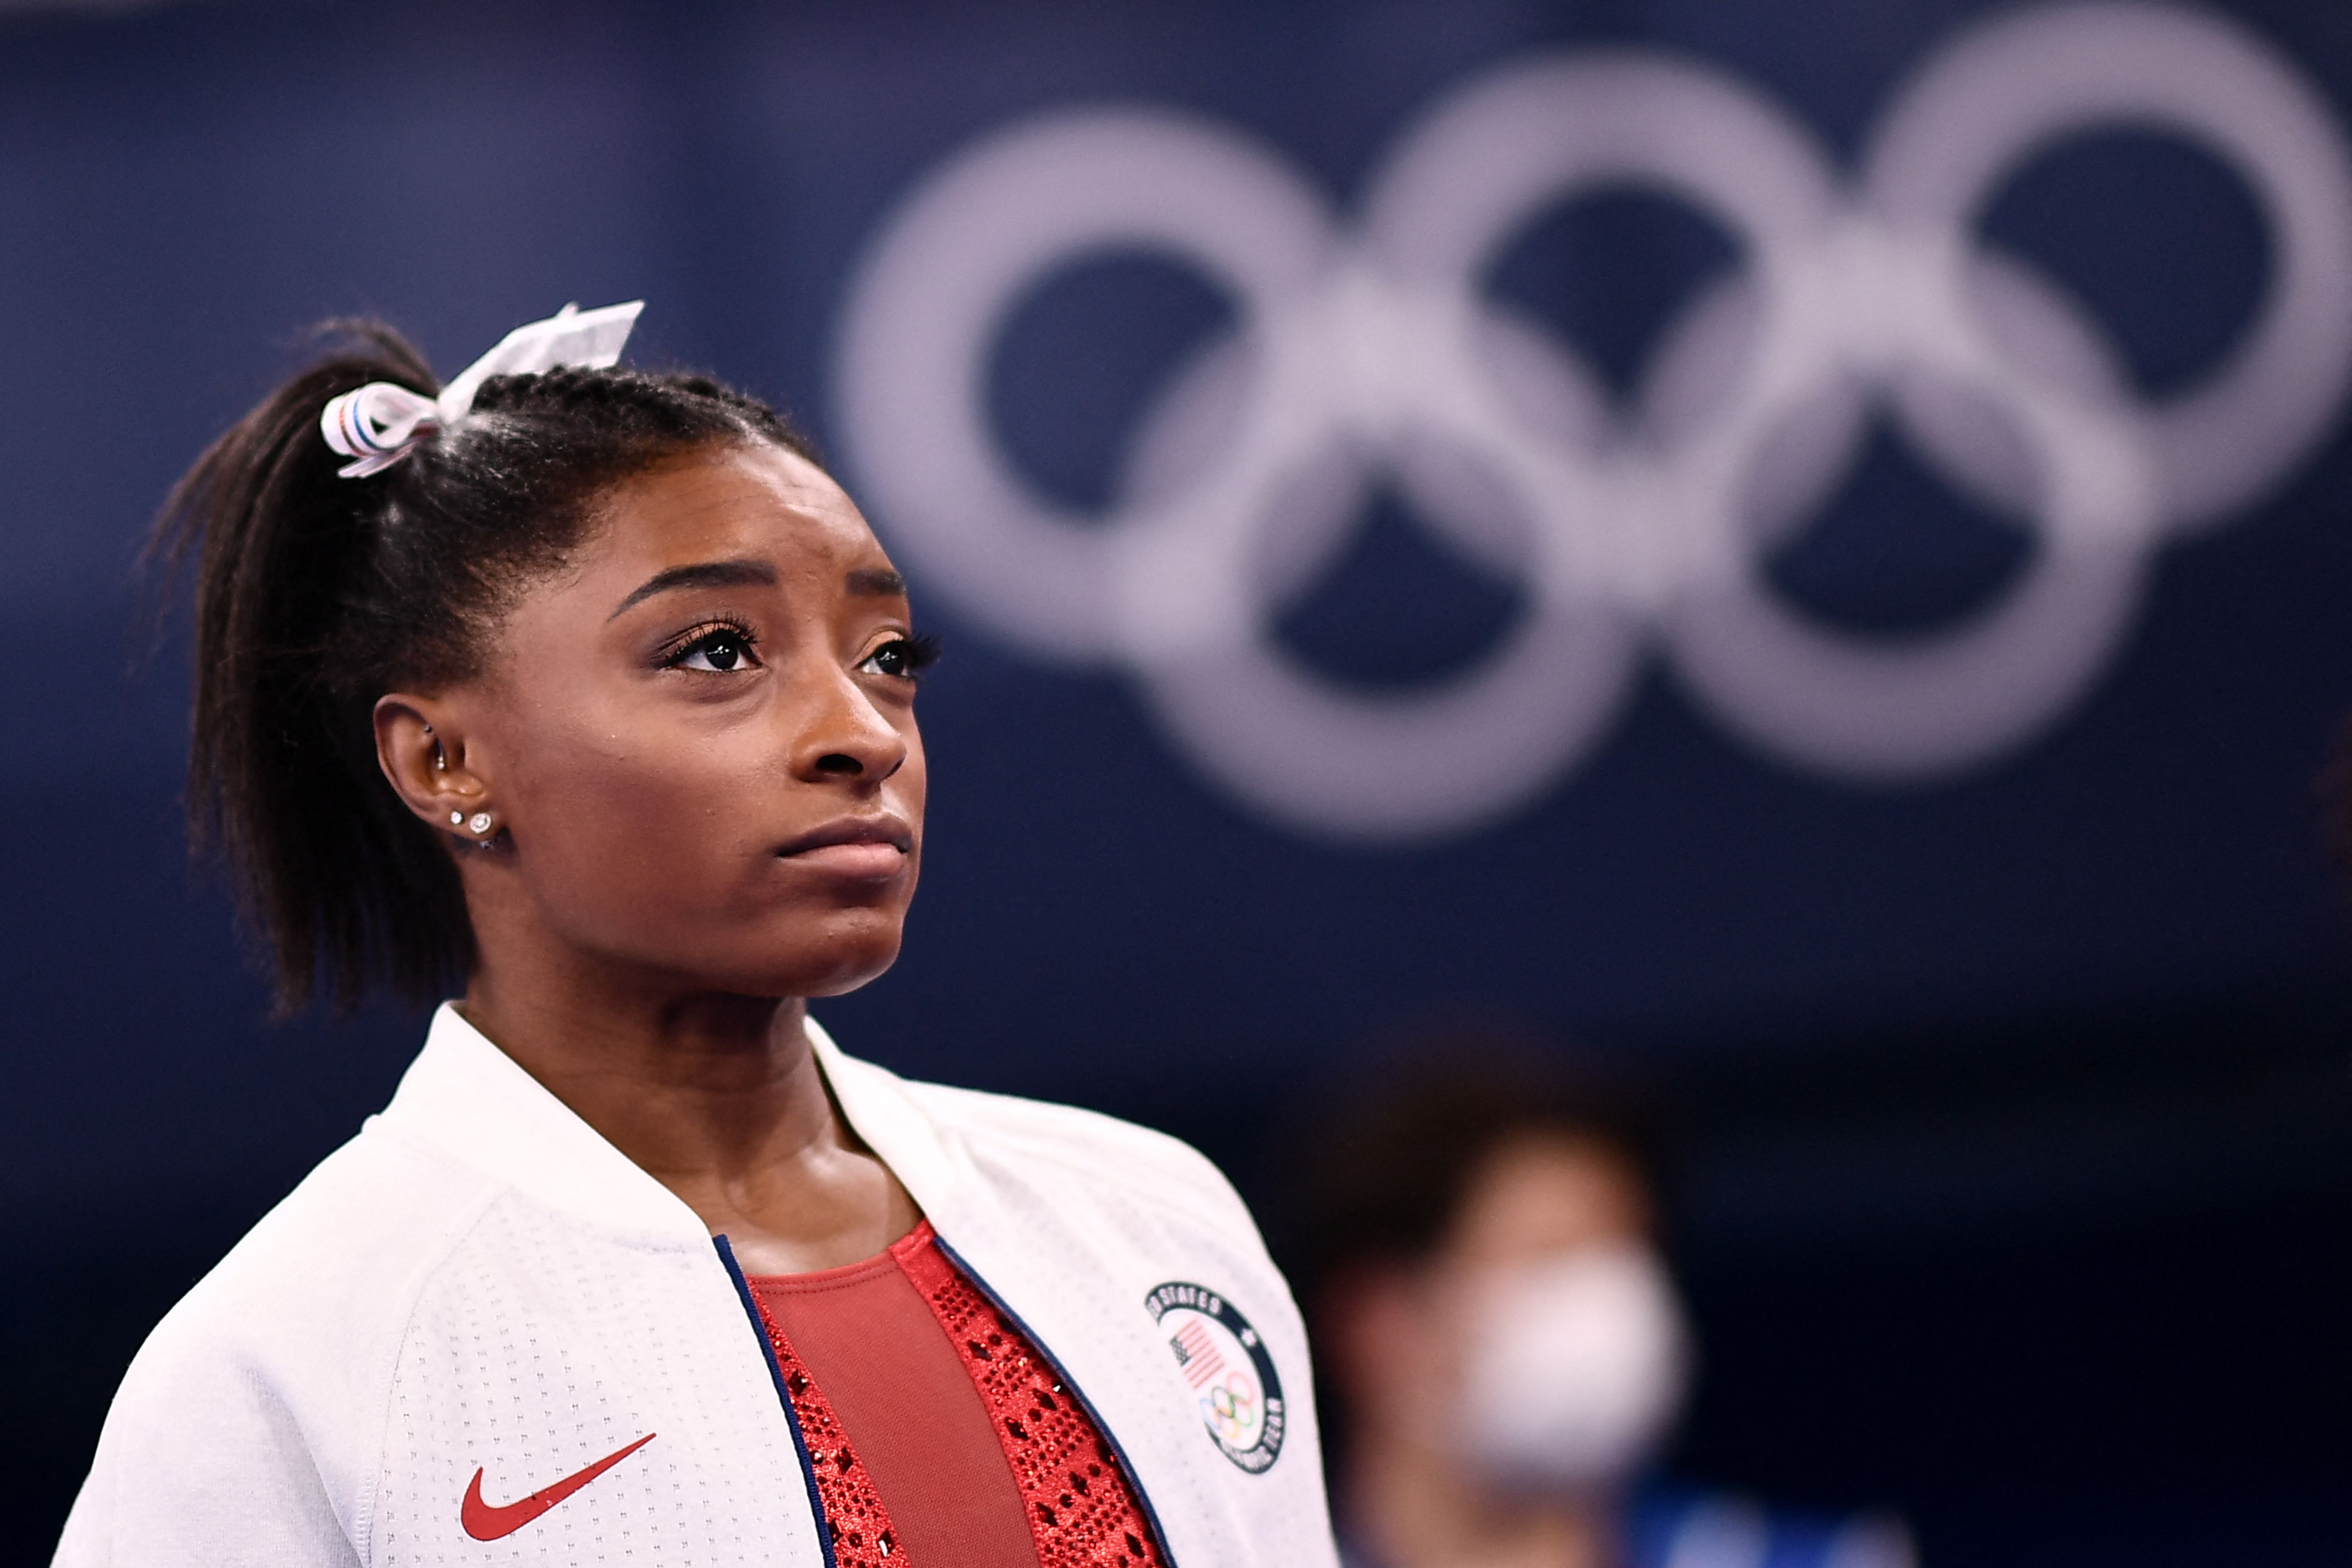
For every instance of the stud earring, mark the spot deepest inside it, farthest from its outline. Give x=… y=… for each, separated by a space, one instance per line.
x=479 y=822
x=457 y=819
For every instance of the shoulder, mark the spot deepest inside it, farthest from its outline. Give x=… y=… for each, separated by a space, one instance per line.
x=336 y=1262
x=251 y=1413
x=307 y=1312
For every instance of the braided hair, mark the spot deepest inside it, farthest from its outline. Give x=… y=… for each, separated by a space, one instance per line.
x=316 y=594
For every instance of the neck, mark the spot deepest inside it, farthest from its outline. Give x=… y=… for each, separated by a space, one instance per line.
x=676 y=1083
x=719 y=1098
x=1414 y=1507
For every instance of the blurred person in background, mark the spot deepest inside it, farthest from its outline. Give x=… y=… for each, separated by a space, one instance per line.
x=1502 y=1347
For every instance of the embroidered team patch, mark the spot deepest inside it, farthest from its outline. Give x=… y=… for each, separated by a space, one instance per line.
x=1226 y=1368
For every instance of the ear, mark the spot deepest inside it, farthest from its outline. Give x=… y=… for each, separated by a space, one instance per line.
x=420 y=743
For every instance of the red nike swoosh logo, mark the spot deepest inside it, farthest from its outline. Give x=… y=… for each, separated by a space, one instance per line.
x=484 y=1522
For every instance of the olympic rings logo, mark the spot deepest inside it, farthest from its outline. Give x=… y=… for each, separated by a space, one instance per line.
x=1358 y=353
x=1231 y=1410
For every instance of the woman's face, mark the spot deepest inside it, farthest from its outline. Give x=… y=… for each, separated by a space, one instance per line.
x=700 y=737
x=1535 y=1198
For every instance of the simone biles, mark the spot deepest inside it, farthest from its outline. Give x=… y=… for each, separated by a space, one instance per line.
x=588 y=691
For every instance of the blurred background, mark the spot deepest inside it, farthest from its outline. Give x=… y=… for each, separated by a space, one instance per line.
x=1794 y=548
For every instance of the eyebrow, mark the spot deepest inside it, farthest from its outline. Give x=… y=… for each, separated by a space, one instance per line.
x=864 y=583
x=702 y=574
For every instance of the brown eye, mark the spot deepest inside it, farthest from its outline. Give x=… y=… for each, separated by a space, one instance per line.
x=719 y=651
x=903 y=659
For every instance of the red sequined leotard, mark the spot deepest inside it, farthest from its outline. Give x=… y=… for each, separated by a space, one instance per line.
x=939 y=1435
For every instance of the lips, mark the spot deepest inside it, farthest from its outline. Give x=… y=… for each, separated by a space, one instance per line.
x=863 y=848
x=890 y=830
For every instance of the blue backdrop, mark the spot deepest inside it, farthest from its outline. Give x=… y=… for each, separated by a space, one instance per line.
x=2008 y=992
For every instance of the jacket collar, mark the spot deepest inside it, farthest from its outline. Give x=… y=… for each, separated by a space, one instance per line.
x=472 y=1104
x=476 y=1106
x=875 y=1104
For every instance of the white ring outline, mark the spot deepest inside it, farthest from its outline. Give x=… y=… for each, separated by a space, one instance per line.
x=1357 y=348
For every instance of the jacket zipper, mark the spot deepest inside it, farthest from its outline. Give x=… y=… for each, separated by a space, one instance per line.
x=1069 y=1384
x=1134 y=1481
x=783 y=1396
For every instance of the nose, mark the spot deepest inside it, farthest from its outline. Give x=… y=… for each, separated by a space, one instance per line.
x=842 y=736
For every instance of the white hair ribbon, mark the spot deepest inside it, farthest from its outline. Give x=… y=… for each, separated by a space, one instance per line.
x=377 y=425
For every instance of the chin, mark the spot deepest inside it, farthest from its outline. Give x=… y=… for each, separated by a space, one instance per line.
x=843 y=986
x=841 y=967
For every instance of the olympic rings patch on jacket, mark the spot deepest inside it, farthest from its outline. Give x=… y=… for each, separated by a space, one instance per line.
x=1225 y=1368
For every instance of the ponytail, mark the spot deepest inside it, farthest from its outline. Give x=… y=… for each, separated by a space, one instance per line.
x=316 y=594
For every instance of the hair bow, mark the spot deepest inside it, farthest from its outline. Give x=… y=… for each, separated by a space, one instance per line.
x=377 y=425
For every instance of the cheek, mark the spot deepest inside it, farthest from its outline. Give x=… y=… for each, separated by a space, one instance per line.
x=602 y=819
x=663 y=852
x=1403 y=1352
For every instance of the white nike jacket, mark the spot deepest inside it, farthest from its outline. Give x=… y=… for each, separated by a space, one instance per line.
x=479 y=1283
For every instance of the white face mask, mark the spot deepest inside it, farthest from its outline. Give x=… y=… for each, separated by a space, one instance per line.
x=1575 y=1369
